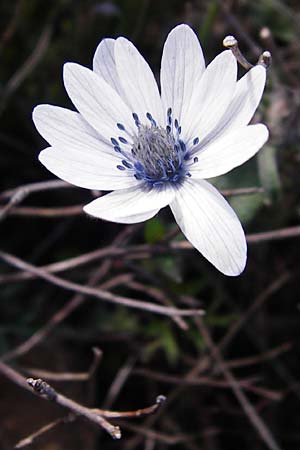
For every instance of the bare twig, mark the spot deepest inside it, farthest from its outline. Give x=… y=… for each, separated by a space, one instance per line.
x=277 y=284
x=72 y=305
x=98 y=293
x=96 y=416
x=248 y=408
x=28 y=66
x=32 y=438
x=47 y=213
x=137 y=251
x=245 y=384
x=82 y=376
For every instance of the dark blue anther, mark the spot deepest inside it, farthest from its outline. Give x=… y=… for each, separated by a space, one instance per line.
x=169 y=120
x=149 y=117
x=188 y=174
x=168 y=128
x=114 y=141
x=179 y=130
x=186 y=156
x=138 y=176
x=176 y=123
x=169 y=112
x=117 y=149
x=157 y=183
x=136 y=119
x=126 y=164
x=196 y=141
x=123 y=140
x=182 y=145
x=175 y=178
x=120 y=126
x=121 y=167
x=196 y=159
x=139 y=166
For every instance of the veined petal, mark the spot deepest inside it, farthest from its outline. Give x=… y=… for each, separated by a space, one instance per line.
x=210 y=224
x=211 y=98
x=96 y=100
x=247 y=95
x=63 y=128
x=130 y=205
x=182 y=66
x=229 y=151
x=88 y=170
x=105 y=66
x=138 y=82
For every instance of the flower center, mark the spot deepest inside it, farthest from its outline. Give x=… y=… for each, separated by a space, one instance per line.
x=156 y=155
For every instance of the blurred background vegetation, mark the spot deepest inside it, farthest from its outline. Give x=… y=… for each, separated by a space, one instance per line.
x=152 y=353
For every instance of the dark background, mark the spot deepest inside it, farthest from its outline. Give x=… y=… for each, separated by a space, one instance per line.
x=36 y=38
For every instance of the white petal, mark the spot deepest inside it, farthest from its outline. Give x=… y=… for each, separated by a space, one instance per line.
x=182 y=66
x=88 y=171
x=211 y=225
x=229 y=151
x=105 y=66
x=67 y=129
x=211 y=98
x=247 y=95
x=130 y=205
x=138 y=82
x=96 y=100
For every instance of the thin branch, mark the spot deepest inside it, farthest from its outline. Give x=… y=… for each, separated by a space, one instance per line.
x=47 y=213
x=266 y=294
x=245 y=384
x=32 y=438
x=28 y=66
x=72 y=305
x=248 y=408
x=136 y=251
x=98 y=293
x=67 y=376
x=21 y=192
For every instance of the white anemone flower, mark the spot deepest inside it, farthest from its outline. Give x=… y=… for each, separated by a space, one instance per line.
x=156 y=149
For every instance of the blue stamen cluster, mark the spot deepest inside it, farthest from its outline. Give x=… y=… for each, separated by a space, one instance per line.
x=154 y=154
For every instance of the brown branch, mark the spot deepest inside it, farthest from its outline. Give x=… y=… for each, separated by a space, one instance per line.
x=98 y=293
x=72 y=305
x=136 y=251
x=32 y=438
x=28 y=66
x=21 y=192
x=17 y=195
x=48 y=213
x=67 y=376
x=245 y=384
x=253 y=360
x=259 y=301
x=96 y=416
x=248 y=408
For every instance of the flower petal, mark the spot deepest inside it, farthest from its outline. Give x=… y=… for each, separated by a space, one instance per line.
x=211 y=225
x=96 y=100
x=211 y=98
x=105 y=66
x=138 y=82
x=229 y=151
x=130 y=205
x=248 y=93
x=90 y=171
x=64 y=128
x=182 y=66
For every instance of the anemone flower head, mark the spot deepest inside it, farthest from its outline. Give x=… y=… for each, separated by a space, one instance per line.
x=156 y=148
